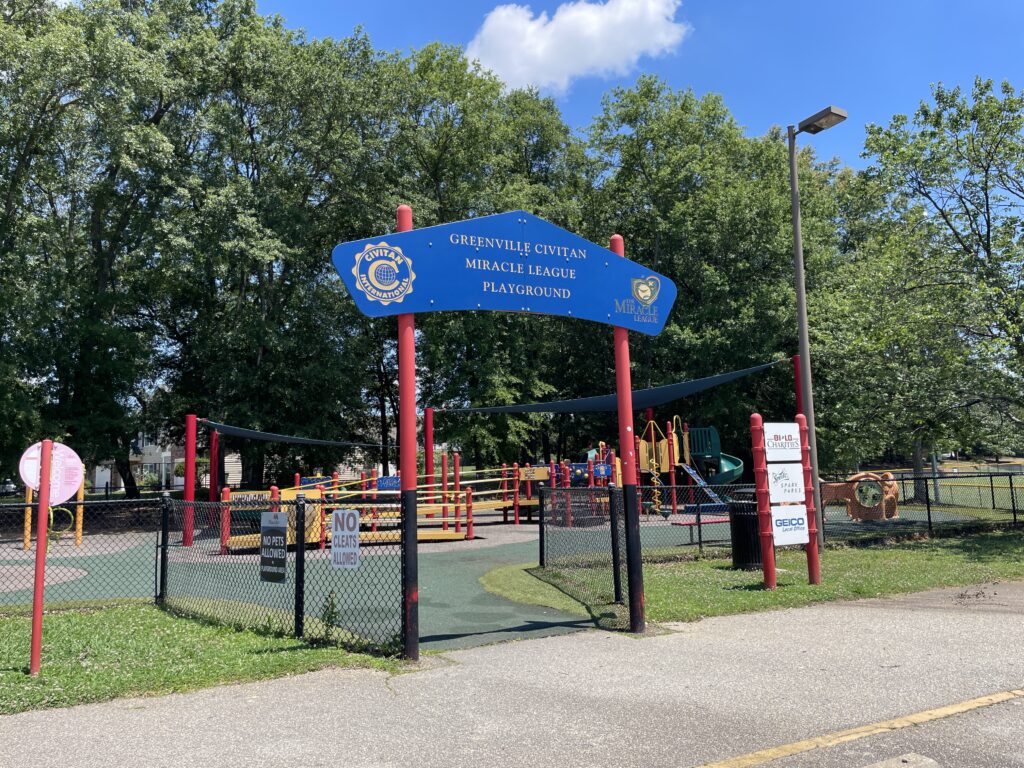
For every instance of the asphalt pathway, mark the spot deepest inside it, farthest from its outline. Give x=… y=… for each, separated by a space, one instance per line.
x=692 y=695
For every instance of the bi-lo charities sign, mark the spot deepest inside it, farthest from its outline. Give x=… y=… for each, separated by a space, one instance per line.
x=66 y=471
x=786 y=491
x=512 y=262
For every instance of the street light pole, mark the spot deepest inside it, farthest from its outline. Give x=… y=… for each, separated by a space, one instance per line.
x=818 y=122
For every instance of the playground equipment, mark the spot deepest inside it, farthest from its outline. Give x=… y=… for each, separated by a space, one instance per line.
x=697 y=453
x=868 y=495
x=56 y=529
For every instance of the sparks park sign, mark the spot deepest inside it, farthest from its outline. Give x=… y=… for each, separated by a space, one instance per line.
x=511 y=262
x=345 y=539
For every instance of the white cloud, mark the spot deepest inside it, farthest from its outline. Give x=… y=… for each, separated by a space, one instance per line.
x=581 y=38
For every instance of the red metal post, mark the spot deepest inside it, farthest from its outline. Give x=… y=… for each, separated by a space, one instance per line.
x=469 y=513
x=298 y=479
x=567 y=484
x=428 y=453
x=225 y=519
x=407 y=464
x=670 y=434
x=798 y=385
x=214 y=464
x=813 y=562
x=590 y=473
x=457 y=481
x=334 y=481
x=552 y=475
x=444 y=491
x=39 y=585
x=373 y=496
x=323 y=516
x=764 y=514
x=688 y=449
x=627 y=450
x=529 y=486
x=188 y=522
x=515 y=492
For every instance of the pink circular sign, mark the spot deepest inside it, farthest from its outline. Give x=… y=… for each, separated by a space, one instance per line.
x=66 y=471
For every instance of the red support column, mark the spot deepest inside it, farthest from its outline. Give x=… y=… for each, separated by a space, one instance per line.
x=39 y=584
x=813 y=563
x=428 y=453
x=670 y=434
x=590 y=473
x=188 y=519
x=214 y=464
x=627 y=447
x=515 y=492
x=798 y=387
x=552 y=475
x=529 y=486
x=407 y=465
x=373 y=496
x=444 y=491
x=298 y=479
x=225 y=519
x=455 y=487
x=764 y=514
x=567 y=484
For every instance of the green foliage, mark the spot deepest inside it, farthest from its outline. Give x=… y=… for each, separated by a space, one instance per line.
x=174 y=175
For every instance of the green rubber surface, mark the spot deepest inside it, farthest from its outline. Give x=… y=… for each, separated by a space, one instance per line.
x=457 y=612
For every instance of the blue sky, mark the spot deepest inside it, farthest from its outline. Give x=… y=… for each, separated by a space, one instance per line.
x=773 y=62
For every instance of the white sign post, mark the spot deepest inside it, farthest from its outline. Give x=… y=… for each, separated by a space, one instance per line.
x=789 y=525
x=345 y=539
x=66 y=471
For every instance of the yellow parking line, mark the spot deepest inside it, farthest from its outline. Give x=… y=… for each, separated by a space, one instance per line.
x=852 y=734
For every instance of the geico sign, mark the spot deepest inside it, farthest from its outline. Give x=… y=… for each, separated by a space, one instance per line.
x=790 y=522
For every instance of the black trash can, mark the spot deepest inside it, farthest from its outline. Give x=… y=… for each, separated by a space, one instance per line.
x=746 y=542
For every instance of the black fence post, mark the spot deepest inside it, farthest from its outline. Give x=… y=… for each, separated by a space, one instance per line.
x=106 y=490
x=165 y=528
x=1013 y=501
x=992 y=489
x=928 y=506
x=634 y=563
x=300 y=564
x=542 y=523
x=613 y=518
x=700 y=532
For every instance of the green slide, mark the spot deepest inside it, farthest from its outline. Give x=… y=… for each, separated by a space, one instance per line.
x=730 y=470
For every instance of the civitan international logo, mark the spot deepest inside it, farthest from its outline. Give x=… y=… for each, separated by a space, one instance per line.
x=383 y=273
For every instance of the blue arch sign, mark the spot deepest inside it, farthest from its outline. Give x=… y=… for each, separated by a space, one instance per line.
x=510 y=262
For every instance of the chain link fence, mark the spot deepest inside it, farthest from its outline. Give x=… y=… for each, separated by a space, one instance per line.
x=98 y=552
x=217 y=577
x=880 y=506
x=202 y=559
x=583 y=550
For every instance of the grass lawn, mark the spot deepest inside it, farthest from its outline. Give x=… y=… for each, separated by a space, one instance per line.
x=687 y=590
x=137 y=650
